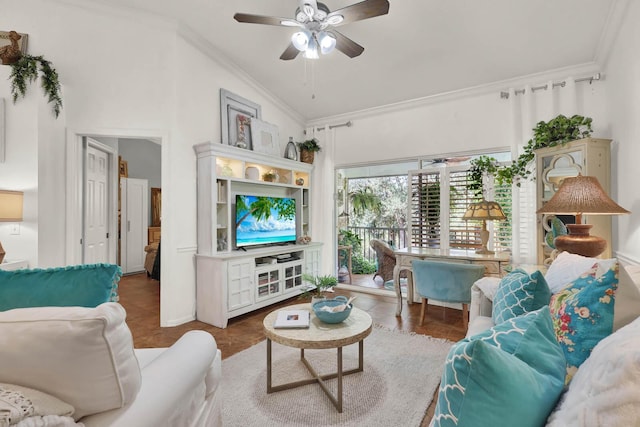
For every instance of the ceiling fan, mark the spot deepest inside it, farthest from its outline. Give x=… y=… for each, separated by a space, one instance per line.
x=316 y=26
x=447 y=160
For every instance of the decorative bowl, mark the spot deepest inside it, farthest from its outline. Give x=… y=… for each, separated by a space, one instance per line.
x=329 y=317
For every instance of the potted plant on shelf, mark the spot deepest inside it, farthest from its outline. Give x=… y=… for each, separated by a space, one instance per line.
x=270 y=176
x=318 y=285
x=308 y=149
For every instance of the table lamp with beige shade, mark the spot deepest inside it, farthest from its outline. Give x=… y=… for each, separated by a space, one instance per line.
x=484 y=211
x=10 y=210
x=577 y=196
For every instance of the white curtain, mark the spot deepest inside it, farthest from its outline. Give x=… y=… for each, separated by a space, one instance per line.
x=322 y=197
x=527 y=109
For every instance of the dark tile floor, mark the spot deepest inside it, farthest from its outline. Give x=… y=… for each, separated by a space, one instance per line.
x=140 y=296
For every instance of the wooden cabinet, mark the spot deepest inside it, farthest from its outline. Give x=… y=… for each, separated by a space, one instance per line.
x=230 y=282
x=225 y=171
x=153 y=235
x=589 y=157
x=233 y=283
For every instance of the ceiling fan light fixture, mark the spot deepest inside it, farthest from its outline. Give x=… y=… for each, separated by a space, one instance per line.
x=327 y=42
x=312 y=50
x=301 y=40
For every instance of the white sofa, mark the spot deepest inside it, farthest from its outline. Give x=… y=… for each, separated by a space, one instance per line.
x=83 y=359
x=605 y=390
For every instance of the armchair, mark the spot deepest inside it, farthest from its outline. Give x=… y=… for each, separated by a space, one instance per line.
x=386 y=259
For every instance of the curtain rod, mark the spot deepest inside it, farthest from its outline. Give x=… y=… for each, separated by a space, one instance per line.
x=590 y=79
x=347 y=124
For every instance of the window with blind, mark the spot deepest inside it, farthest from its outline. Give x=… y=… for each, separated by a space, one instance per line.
x=438 y=200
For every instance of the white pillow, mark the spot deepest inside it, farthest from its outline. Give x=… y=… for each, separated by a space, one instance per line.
x=567 y=267
x=604 y=391
x=83 y=356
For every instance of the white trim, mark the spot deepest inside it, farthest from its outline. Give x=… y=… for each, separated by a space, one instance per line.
x=559 y=73
x=210 y=51
x=612 y=26
x=627 y=259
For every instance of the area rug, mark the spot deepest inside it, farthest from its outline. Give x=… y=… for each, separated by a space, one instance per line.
x=401 y=373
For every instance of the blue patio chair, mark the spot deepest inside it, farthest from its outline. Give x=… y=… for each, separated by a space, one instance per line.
x=445 y=282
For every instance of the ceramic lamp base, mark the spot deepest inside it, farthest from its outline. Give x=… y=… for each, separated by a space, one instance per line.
x=580 y=242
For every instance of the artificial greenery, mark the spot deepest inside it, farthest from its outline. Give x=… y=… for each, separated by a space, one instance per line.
x=321 y=283
x=309 y=145
x=25 y=71
x=557 y=131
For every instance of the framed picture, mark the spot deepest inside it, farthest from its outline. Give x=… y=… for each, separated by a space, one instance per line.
x=124 y=168
x=236 y=113
x=265 y=137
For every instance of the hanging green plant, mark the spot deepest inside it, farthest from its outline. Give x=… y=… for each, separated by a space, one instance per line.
x=25 y=71
x=557 y=131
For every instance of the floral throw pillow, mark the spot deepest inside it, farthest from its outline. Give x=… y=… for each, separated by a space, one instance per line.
x=582 y=315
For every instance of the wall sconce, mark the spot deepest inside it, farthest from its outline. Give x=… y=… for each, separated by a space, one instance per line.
x=10 y=210
x=576 y=196
x=484 y=211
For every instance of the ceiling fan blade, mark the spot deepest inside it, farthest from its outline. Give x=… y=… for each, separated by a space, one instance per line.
x=266 y=20
x=363 y=10
x=289 y=53
x=347 y=46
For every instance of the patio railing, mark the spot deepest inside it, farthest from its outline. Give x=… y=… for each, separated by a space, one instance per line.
x=389 y=234
x=459 y=239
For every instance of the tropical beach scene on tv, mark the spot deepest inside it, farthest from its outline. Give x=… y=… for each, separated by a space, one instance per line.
x=264 y=220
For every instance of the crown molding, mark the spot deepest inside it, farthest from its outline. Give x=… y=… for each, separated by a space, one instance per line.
x=609 y=34
x=188 y=35
x=475 y=91
x=210 y=51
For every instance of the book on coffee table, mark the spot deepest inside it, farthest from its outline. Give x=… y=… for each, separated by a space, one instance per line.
x=292 y=319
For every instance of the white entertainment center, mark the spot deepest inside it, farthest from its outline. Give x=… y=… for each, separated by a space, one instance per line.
x=231 y=282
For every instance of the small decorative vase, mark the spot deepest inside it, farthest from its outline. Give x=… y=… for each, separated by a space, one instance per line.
x=291 y=152
x=300 y=181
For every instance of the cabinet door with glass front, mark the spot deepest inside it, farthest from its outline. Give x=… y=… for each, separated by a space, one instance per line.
x=589 y=157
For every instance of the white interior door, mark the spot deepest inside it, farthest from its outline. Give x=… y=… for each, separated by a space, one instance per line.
x=96 y=207
x=134 y=211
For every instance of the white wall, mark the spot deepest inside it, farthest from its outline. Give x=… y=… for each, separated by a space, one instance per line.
x=623 y=71
x=122 y=74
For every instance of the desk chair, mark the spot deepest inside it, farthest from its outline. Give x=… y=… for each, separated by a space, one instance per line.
x=446 y=282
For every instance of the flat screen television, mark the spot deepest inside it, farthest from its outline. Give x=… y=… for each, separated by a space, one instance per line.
x=262 y=220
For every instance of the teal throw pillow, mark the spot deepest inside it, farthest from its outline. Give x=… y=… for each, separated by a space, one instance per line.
x=519 y=293
x=86 y=285
x=583 y=314
x=511 y=374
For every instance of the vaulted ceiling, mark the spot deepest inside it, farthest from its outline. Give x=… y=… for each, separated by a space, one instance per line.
x=421 y=48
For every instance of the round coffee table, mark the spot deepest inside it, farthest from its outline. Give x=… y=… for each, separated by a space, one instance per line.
x=319 y=335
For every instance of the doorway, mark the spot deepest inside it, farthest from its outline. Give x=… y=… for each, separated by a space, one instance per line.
x=139 y=161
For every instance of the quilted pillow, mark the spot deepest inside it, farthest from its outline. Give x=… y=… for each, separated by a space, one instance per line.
x=478 y=387
x=519 y=293
x=83 y=356
x=583 y=314
x=86 y=285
